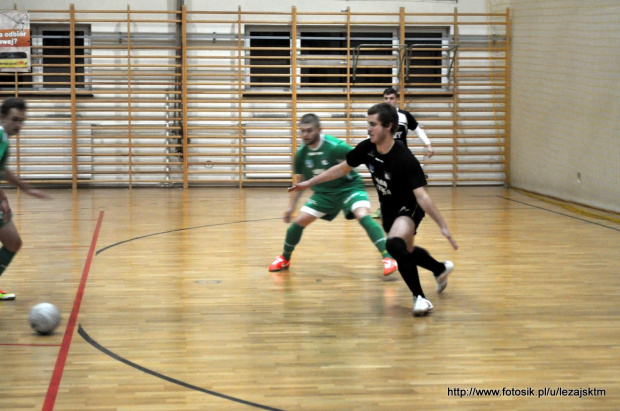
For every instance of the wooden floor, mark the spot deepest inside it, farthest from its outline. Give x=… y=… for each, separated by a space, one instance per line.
x=176 y=309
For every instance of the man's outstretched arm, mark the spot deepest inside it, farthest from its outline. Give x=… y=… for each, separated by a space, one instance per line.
x=333 y=173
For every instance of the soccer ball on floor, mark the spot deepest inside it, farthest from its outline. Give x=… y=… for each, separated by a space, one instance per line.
x=44 y=318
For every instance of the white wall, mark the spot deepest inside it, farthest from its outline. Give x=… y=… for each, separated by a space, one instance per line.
x=566 y=99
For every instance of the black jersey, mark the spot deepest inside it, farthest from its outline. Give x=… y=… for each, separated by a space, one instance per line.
x=395 y=174
x=406 y=121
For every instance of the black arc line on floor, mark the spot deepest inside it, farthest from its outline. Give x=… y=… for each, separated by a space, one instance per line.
x=182 y=229
x=117 y=357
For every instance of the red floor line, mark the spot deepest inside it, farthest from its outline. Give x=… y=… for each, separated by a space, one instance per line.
x=52 y=390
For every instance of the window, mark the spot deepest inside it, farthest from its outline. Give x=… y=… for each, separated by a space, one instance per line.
x=374 y=58
x=332 y=71
x=7 y=80
x=56 y=60
x=51 y=59
x=271 y=57
x=426 y=61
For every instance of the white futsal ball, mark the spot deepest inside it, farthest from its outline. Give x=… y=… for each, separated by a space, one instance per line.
x=44 y=318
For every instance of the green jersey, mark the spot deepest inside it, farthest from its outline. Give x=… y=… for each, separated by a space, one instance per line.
x=4 y=150
x=310 y=162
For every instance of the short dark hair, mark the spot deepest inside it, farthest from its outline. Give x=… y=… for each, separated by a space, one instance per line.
x=310 y=119
x=389 y=91
x=386 y=114
x=12 y=102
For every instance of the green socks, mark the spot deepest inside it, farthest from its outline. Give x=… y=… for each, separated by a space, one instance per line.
x=375 y=232
x=293 y=236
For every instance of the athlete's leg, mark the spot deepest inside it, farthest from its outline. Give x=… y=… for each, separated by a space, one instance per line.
x=318 y=206
x=401 y=233
x=399 y=238
x=11 y=243
x=294 y=233
x=372 y=228
x=376 y=235
x=423 y=259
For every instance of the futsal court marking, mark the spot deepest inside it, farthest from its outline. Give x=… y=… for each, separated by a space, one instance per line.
x=52 y=390
x=562 y=214
x=182 y=229
x=30 y=345
x=117 y=357
x=104 y=350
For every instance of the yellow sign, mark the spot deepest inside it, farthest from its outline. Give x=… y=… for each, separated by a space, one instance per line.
x=13 y=63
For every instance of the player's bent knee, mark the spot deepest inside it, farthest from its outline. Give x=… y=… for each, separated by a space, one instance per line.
x=304 y=220
x=12 y=242
x=15 y=244
x=361 y=212
x=397 y=247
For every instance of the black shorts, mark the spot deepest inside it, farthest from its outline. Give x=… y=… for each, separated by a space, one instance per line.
x=414 y=212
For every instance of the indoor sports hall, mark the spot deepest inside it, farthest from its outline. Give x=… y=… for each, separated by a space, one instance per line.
x=164 y=135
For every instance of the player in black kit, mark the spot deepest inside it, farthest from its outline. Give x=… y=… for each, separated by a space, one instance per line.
x=406 y=122
x=399 y=180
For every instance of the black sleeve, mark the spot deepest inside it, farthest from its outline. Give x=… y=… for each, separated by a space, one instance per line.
x=412 y=124
x=357 y=156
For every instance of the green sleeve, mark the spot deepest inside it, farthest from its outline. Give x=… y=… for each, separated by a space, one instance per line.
x=342 y=149
x=298 y=163
x=4 y=155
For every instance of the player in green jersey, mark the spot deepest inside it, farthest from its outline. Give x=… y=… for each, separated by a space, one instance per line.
x=12 y=117
x=347 y=193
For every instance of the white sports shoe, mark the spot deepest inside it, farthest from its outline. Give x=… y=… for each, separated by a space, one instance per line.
x=6 y=296
x=422 y=306
x=442 y=279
